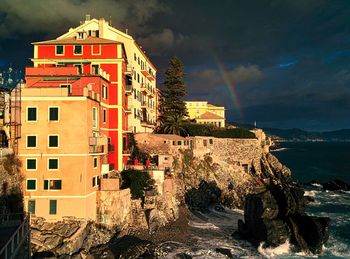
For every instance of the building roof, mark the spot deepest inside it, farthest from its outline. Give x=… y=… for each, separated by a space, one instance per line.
x=74 y=41
x=210 y=116
x=168 y=136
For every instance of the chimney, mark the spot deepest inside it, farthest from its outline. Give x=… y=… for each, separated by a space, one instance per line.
x=87 y=17
x=101 y=23
x=126 y=31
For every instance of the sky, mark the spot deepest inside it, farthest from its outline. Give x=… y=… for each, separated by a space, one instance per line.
x=281 y=63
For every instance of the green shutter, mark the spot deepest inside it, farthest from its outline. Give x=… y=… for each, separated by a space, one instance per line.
x=31 y=116
x=53 y=163
x=31 y=206
x=46 y=184
x=53 y=207
x=53 y=141
x=31 y=141
x=54 y=114
x=31 y=184
x=31 y=164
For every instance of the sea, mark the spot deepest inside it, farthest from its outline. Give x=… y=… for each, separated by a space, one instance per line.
x=309 y=161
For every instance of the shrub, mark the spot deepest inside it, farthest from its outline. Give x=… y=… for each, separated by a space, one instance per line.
x=233 y=133
x=137 y=181
x=195 y=129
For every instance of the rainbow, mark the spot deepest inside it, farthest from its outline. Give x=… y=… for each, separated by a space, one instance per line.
x=229 y=84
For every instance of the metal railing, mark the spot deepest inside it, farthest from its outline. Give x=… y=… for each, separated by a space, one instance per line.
x=17 y=239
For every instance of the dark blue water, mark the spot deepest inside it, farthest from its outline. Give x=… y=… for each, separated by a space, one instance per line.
x=322 y=162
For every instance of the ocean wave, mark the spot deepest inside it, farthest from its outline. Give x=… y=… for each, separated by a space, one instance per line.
x=318 y=185
x=270 y=252
x=311 y=193
x=279 y=149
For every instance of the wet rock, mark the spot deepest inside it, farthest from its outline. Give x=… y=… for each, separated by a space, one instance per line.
x=336 y=185
x=309 y=232
x=278 y=215
x=183 y=256
x=224 y=251
x=203 y=197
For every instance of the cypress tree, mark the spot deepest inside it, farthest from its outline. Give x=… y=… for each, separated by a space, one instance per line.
x=172 y=108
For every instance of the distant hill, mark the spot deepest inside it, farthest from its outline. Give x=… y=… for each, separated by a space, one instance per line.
x=296 y=134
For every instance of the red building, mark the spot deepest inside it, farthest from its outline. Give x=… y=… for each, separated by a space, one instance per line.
x=87 y=56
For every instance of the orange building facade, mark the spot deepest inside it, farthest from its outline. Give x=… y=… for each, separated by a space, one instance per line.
x=74 y=124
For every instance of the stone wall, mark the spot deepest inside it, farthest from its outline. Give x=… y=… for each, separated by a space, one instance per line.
x=114 y=208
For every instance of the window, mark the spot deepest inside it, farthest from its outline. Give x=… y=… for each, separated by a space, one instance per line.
x=67 y=86
x=78 y=50
x=211 y=141
x=95 y=181
x=53 y=140
x=52 y=184
x=94 y=117
x=80 y=68
x=104 y=115
x=31 y=164
x=31 y=207
x=31 y=185
x=95 y=162
x=53 y=163
x=80 y=35
x=53 y=207
x=179 y=143
x=104 y=92
x=135 y=56
x=53 y=113
x=95 y=69
x=96 y=49
x=31 y=141
x=59 y=50
x=31 y=114
x=174 y=143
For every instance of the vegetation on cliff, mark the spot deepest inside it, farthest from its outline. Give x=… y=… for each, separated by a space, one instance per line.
x=194 y=129
x=137 y=181
x=11 y=197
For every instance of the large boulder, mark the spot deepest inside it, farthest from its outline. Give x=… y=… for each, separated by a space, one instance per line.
x=309 y=233
x=277 y=215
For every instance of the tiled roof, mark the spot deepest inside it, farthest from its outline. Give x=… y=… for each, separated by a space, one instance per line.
x=74 y=41
x=210 y=116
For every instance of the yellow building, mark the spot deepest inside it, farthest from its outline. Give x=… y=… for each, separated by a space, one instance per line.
x=206 y=113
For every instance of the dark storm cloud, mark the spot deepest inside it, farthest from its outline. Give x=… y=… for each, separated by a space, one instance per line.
x=289 y=60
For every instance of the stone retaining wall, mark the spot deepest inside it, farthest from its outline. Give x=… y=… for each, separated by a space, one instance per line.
x=114 y=207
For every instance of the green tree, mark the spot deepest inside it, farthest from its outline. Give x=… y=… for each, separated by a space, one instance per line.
x=174 y=125
x=172 y=108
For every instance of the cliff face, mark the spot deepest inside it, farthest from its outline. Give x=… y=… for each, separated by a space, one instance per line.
x=235 y=166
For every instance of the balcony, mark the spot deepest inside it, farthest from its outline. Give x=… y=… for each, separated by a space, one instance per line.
x=128 y=90
x=148 y=124
x=96 y=149
x=129 y=69
x=128 y=130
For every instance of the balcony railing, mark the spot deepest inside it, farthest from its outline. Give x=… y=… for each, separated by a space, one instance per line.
x=96 y=149
x=129 y=88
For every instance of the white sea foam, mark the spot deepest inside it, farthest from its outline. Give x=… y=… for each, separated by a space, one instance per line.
x=318 y=185
x=279 y=149
x=310 y=193
x=269 y=252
